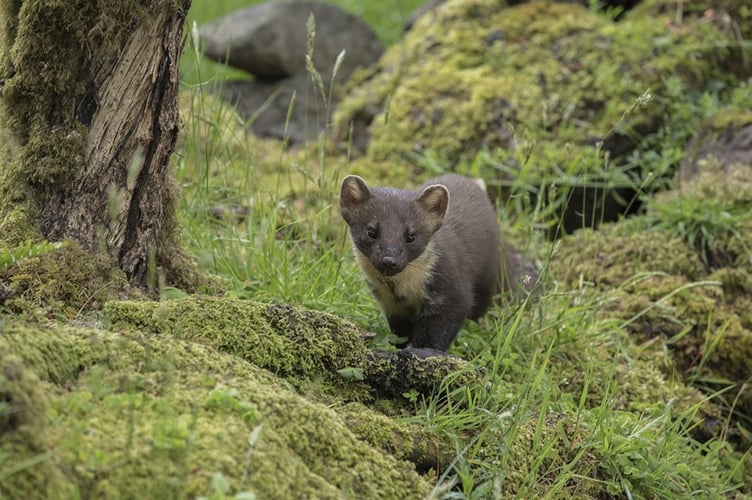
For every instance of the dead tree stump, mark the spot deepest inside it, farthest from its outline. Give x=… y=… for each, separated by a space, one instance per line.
x=89 y=120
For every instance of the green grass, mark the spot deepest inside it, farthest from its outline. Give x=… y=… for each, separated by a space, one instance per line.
x=558 y=411
x=11 y=256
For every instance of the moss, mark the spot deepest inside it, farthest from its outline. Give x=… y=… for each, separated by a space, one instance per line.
x=633 y=377
x=692 y=322
x=424 y=447
x=18 y=224
x=38 y=83
x=737 y=291
x=283 y=339
x=731 y=117
x=532 y=468
x=26 y=465
x=616 y=253
x=64 y=282
x=706 y=335
x=715 y=178
x=607 y=452
x=383 y=173
x=476 y=72
x=392 y=374
x=710 y=205
x=298 y=344
x=596 y=362
x=549 y=97
x=152 y=415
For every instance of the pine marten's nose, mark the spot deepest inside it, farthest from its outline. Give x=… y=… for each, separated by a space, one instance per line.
x=389 y=262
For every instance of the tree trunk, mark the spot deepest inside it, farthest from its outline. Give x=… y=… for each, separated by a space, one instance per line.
x=89 y=96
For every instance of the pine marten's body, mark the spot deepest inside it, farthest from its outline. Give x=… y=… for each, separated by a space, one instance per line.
x=432 y=256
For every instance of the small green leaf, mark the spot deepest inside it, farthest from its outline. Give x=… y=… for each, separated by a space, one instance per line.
x=351 y=373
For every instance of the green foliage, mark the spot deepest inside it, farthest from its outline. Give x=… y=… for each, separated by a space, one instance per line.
x=659 y=152
x=11 y=256
x=701 y=222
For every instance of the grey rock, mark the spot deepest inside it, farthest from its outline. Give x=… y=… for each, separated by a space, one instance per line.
x=270 y=40
x=730 y=146
x=265 y=104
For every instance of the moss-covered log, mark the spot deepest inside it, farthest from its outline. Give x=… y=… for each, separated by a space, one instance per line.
x=88 y=100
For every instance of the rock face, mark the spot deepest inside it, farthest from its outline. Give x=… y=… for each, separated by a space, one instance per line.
x=270 y=41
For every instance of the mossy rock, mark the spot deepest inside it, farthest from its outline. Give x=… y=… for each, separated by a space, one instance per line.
x=659 y=292
x=288 y=341
x=143 y=414
x=614 y=254
x=472 y=73
x=705 y=333
x=423 y=446
x=721 y=149
x=559 y=94
x=709 y=206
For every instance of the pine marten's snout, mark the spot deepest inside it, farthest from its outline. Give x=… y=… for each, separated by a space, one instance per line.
x=388 y=261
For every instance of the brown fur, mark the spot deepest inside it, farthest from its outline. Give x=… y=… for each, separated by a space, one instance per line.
x=432 y=256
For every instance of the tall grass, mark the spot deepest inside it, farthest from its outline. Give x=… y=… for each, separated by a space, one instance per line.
x=261 y=215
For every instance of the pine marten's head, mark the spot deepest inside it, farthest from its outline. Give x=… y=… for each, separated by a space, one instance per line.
x=391 y=227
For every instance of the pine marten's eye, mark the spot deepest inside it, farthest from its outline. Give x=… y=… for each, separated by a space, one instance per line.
x=372 y=233
x=410 y=238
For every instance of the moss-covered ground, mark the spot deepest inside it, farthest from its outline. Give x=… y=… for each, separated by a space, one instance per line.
x=625 y=375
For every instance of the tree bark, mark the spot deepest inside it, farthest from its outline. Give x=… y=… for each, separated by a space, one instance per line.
x=93 y=128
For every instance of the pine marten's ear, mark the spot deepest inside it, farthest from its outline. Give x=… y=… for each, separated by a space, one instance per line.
x=434 y=201
x=353 y=194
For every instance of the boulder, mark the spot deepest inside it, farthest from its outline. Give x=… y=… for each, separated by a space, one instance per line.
x=728 y=141
x=265 y=105
x=270 y=41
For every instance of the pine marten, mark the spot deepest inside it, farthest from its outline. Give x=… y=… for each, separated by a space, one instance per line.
x=432 y=256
